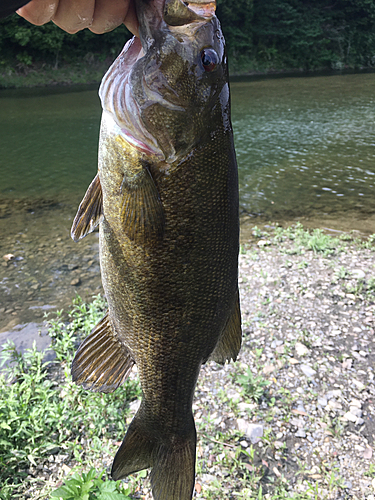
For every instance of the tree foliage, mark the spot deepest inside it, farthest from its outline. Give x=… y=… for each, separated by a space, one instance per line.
x=260 y=34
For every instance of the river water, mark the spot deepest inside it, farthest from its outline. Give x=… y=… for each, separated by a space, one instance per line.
x=305 y=149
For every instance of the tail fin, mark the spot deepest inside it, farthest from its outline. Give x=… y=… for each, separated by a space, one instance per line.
x=172 y=460
x=172 y=477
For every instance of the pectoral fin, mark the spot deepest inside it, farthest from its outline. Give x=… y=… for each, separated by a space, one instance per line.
x=102 y=362
x=89 y=212
x=142 y=214
x=229 y=343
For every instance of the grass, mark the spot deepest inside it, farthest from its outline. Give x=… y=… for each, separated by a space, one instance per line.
x=42 y=412
x=316 y=240
x=91 y=486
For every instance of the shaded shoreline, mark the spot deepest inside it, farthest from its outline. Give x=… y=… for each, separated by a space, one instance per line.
x=83 y=74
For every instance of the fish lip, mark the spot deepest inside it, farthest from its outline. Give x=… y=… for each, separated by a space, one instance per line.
x=118 y=100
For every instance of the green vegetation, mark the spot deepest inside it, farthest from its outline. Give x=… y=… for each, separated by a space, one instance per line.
x=317 y=240
x=90 y=487
x=262 y=35
x=42 y=412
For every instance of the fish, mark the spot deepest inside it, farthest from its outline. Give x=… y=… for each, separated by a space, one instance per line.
x=165 y=199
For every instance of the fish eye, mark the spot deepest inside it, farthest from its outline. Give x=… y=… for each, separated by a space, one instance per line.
x=209 y=59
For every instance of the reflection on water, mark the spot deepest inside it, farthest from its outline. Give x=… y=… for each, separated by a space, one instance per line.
x=305 y=150
x=305 y=146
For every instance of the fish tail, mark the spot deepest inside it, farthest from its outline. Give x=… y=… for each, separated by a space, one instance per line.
x=172 y=460
x=172 y=477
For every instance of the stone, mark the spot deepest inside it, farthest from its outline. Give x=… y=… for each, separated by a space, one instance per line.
x=300 y=433
x=263 y=243
x=8 y=256
x=253 y=431
x=268 y=369
x=301 y=349
x=308 y=371
x=358 y=274
x=278 y=444
x=358 y=384
x=349 y=416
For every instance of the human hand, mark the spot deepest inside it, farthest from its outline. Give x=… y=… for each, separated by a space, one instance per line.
x=99 y=16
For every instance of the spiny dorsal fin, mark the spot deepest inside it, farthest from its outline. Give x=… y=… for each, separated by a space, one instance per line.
x=89 y=212
x=102 y=362
x=229 y=344
x=142 y=213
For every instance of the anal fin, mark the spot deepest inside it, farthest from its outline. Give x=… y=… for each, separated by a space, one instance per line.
x=89 y=212
x=229 y=344
x=102 y=362
x=142 y=214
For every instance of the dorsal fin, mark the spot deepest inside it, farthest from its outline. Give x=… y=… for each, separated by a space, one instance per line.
x=89 y=212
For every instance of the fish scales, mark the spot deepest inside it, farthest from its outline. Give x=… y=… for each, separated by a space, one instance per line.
x=166 y=201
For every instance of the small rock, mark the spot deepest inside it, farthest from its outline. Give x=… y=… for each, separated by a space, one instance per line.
x=358 y=274
x=359 y=384
x=268 y=369
x=246 y=406
x=322 y=401
x=293 y=361
x=134 y=405
x=263 y=243
x=9 y=256
x=308 y=371
x=367 y=453
x=75 y=282
x=354 y=410
x=278 y=444
x=300 y=433
x=301 y=349
x=349 y=416
x=208 y=478
x=253 y=431
x=244 y=444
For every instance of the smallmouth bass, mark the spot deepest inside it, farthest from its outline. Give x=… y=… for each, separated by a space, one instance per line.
x=166 y=201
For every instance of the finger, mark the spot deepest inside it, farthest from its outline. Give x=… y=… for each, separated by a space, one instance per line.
x=131 y=20
x=74 y=15
x=39 y=11
x=108 y=14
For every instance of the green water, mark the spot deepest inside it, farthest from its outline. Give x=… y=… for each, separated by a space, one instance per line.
x=305 y=149
x=48 y=143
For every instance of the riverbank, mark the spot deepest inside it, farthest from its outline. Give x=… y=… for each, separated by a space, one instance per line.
x=44 y=75
x=89 y=72
x=292 y=418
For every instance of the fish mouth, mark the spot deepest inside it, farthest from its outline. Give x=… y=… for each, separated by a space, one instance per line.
x=117 y=99
x=116 y=92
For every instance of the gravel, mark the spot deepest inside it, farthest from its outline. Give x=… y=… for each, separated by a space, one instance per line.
x=309 y=419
